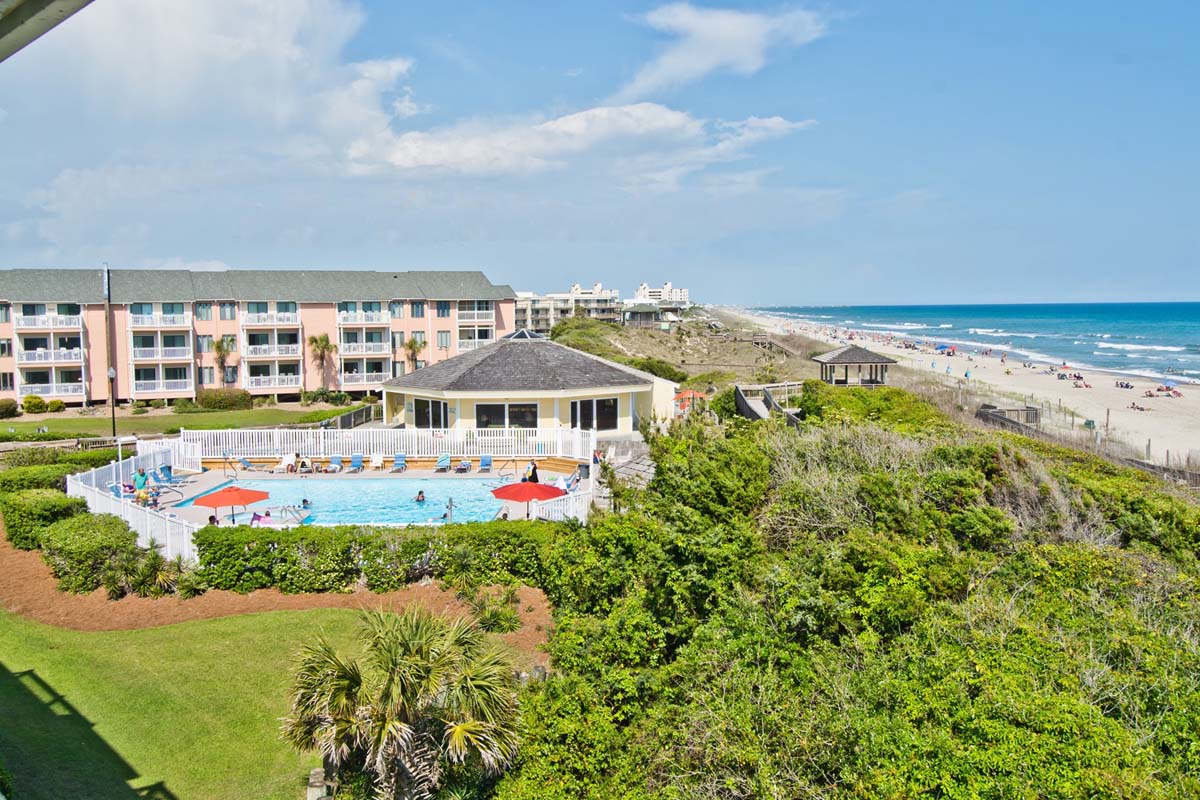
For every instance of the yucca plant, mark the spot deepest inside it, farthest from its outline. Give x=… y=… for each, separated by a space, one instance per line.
x=428 y=692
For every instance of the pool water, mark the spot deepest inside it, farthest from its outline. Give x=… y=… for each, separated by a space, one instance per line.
x=383 y=501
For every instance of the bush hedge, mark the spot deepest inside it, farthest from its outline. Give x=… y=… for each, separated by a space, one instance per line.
x=227 y=399
x=32 y=456
x=80 y=548
x=55 y=406
x=336 y=559
x=41 y=476
x=49 y=436
x=9 y=408
x=28 y=513
x=33 y=404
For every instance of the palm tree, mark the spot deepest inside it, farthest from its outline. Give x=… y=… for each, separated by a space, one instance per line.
x=322 y=350
x=428 y=691
x=222 y=349
x=413 y=348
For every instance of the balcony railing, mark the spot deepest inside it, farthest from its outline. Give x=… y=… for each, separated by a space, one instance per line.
x=49 y=321
x=161 y=353
x=61 y=355
x=472 y=344
x=161 y=320
x=360 y=378
x=269 y=319
x=362 y=317
x=477 y=316
x=271 y=350
x=364 y=348
x=53 y=389
x=272 y=381
x=142 y=387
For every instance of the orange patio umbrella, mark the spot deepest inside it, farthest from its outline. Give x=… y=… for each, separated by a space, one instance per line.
x=231 y=496
x=526 y=491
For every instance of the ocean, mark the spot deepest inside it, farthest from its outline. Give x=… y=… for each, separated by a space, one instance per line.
x=1157 y=340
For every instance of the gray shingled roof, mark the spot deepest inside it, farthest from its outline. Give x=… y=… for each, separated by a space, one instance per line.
x=302 y=286
x=521 y=365
x=852 y=354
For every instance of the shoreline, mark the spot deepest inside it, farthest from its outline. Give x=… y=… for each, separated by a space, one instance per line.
x=1169 y=424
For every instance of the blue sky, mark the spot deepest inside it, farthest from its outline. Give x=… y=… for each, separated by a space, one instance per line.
x=867 y=152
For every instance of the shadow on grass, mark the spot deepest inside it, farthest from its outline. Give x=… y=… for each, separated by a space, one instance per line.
x=53 y=751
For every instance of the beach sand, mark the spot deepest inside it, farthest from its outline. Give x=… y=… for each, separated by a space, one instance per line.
x=1168 y=423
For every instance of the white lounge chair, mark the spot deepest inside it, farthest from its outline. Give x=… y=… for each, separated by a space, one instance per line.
x=376 y=461
x=287 y=464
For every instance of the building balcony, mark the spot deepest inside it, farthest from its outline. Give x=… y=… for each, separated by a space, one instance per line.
x=477 y=316
x=362 y=378
x=272 y=381
x=47 y=321
x=364 y=348
x=161 y=353
x=59 y=356
x=161 y=320
x=52 y=389
x=273 y=319
x=465 y=345
x=147 y=387
x=271 y=350
x=363 y=317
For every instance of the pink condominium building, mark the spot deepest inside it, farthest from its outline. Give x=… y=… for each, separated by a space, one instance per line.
x=62 y=329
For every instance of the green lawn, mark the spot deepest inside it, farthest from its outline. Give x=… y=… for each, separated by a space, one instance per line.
x=186 y=711
x=100 y=424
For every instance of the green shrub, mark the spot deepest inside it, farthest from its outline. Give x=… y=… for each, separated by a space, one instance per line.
x=34 y=456
x=6 y=785
x=42 y=476
x=227 y=399
x=51 y=436
x=140 y=410
x=158 y=402
x=723 y=405
x=184 y=406
x=324 y=414
x=55 y=406
x=658 y=367
x=136 y=404
x=33 y=404
x=370 y=399
x=9 y=408
x=27 y=514
x=80 y=549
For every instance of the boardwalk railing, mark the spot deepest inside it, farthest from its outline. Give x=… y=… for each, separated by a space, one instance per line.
x=569 y=506
x=172 y=534
x=413 y=442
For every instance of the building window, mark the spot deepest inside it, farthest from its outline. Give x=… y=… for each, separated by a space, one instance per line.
x=7 y=384
x=430 y=413
x=228 y=310
x=145 y=374
x=443 y=308
x=396 y=307
x=68 y=309
x=397 y=369
x=231 y=374
x=443 y=339
x=502 y=415
x=141 y=309
x=5 y=347
x=285 y=308
x=600 y=415
x=418 y=309
x=489 y=415
x=256 y=308
x=174 y=340
x=397 y=340
x=347 y=306
x=204 y=343
x=375 y=368
x=203 y=311
x=230 y=340
x=372 y=306
x=172 y=308
x=175 y=373
x=205 y=376
x=5 y=313
x=419 y=364
x=419 y=336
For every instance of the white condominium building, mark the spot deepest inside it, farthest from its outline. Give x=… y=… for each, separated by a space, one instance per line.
x=540 y=312
x=666 y=294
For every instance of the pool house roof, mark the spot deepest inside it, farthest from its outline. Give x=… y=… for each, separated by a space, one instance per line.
x=852 y=355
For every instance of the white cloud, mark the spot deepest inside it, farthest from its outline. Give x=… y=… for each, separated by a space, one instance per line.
x=709 y=39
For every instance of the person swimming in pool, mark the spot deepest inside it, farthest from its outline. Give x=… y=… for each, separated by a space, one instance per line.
x=305 y=503
x=420 y=498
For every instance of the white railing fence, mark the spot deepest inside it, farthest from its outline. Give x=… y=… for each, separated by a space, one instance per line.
x=172 y=534
x=570 y=506
x=413 y=442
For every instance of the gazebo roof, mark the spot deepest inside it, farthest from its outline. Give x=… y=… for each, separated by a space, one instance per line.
x=852 y=355
x=521 y=364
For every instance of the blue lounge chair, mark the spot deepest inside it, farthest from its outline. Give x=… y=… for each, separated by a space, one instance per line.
x=399 y=462
x=464 y=466
x=485 y=463
x=166 y=478
x=443 y=463
x=170 y=473
x=164 y=486
x=335 y=464
x=356 y=463
x=246 y=465
x=118 y=492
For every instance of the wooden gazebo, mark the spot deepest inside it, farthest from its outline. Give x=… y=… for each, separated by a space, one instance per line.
x=869 y=369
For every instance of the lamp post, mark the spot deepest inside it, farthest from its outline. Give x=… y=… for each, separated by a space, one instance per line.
x=112 y=398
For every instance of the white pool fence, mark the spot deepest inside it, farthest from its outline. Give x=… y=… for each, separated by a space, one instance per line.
x=570 y=506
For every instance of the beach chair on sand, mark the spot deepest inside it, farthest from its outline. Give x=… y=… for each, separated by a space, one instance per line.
x=377 y=461
x=485 y=463
x=356 y=463
x=246 y=465
x=399 y=462
x=335 y=464
x=443 y=463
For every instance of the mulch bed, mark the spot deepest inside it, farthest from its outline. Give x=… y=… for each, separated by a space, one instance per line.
x=28 y=588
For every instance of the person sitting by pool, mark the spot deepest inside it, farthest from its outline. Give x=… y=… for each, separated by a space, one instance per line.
x=305 y=503
x=420 y=498
x=212 y=520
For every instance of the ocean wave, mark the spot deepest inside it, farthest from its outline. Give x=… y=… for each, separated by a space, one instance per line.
x=1160 y=347
x=1002 y=333
x=907 y=326
x=945 y=325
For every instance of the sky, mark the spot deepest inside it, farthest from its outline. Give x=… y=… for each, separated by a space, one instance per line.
x=933 y=151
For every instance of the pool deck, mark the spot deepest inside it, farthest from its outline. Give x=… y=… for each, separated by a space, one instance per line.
x=207 y=481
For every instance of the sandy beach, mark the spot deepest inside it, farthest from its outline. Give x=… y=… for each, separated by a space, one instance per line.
x=1168 y=423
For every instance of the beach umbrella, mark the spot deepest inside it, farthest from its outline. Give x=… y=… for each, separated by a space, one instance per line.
x=231 y=496
x=942 y=347
x=525 y=492
x=1170 y=384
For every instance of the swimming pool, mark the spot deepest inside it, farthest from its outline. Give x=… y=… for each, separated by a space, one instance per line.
x=382 y=501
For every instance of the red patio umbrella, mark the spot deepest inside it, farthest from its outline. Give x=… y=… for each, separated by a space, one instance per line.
x=231 y=496
x=526 y=491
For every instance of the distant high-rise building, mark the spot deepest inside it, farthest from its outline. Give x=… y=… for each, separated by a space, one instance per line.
x=666 y=294
x=540 y=312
